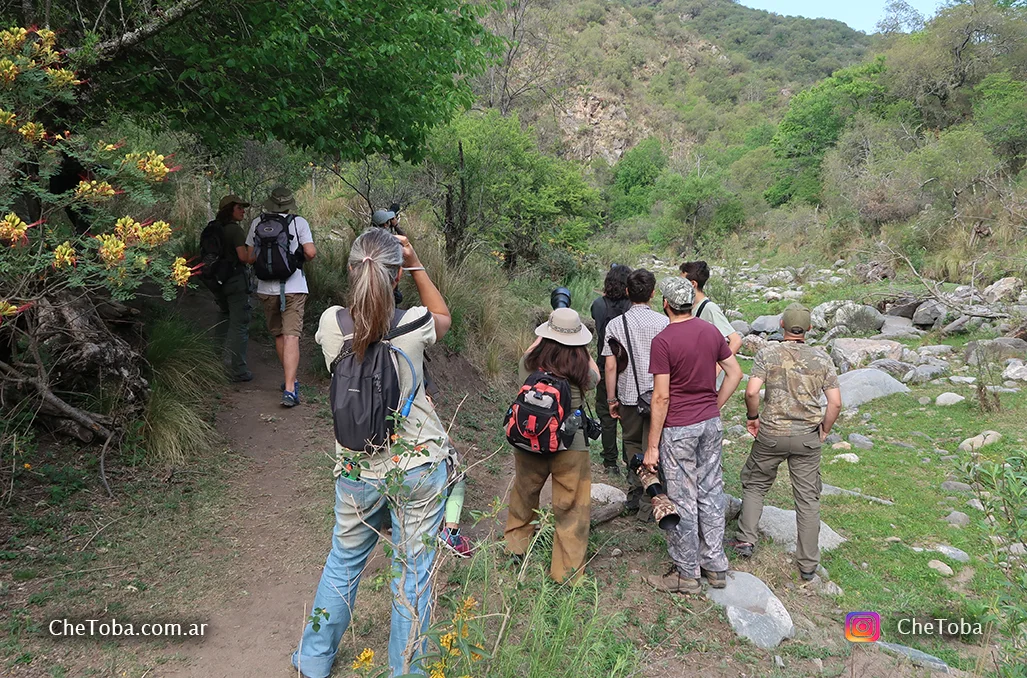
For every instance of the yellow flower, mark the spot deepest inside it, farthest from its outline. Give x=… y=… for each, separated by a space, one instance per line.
x=64 y=255
x=8 y=119
x=61 y=78
x=8 y=72
x=94 y=190
x=28 y=467
x=7 y=309
x=12 y=39
x=12 y=229
x=180 y=272
x=142 y=262
x=446 y=642
x=47 y=38
x=128 y=229
x=112 y=249
x=364 y=660
x=151 y=164
x=32 y=131
x=155 y=234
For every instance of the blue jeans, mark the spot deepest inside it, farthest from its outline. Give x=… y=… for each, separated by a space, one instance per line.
x=360 y=508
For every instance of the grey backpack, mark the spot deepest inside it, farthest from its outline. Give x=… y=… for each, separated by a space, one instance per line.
x=365 y=395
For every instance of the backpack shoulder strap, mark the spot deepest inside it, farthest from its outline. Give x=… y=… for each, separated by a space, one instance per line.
x=698 y=311
x=345 y=321
x=406 y=328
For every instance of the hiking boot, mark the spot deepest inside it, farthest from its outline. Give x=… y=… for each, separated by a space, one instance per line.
x=807 y=576
x=673 y=582
x=612 y=470
x=742 y=548
x=716 y=580
x=290 y=399
x=456 y=542
x=246 y=376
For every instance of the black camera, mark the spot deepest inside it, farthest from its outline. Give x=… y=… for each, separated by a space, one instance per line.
x=664 y=511
x=560 y=298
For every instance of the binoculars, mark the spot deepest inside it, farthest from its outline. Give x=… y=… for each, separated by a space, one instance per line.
x=560 y=298
x=664 y=511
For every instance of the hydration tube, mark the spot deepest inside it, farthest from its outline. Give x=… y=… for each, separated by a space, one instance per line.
x=405 y=410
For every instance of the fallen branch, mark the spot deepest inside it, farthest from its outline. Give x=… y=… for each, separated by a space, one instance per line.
x=937 y=295
x=81 y=417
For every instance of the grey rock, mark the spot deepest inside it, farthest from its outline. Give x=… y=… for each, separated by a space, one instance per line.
x=964 y=381
x=941 y=568
x=822 y=315
x=832 y=439
x=929 y=313
x=952 y=552
x=917 y=657
x=741 y=327
x=948 y=399
x=921 y=374
x=948 y=457
x=862 y=386
x=603 y=513
x=851 y=354
x=957 y=519
x=607 y=494
x=778 y=662
x=766 y=324
x=752 y=344
x=828 y=588
x=1006 y=289
x=903 y=308
x=935 y=350
x=733 y=314
x=736 y=431
x=834 y=333
x=753 y=611
x=831 y=490
x=1016 y=371
x=899 y=328
x=779 y=525
x=975 y=503
x=860 y=441
x=924 y=400
x=981 y=440
x=995 y=350
x=955 y=486
x=896 y=368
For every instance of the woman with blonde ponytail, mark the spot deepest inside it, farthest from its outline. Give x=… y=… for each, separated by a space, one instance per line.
x=365 y=486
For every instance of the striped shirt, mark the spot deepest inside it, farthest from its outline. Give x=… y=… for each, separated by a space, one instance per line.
x=643 y=325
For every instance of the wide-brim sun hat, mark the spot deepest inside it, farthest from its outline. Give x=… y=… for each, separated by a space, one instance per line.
x=564 y=327
x=281 y=201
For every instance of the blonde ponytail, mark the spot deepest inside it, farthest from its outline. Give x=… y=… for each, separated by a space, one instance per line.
x=374 y=263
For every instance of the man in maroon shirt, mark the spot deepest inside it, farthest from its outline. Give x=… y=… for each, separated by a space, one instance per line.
x=685 y=437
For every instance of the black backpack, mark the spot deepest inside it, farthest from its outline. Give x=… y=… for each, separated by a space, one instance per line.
x=216 y=266
x=365 y=395
x=534 y=422
x=272 y=242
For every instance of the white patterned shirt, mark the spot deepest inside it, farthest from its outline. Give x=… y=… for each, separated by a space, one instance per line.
x=643 y=325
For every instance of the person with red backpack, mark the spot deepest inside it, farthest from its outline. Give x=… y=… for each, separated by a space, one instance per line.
x=547 y=426
x=386 y=466
x=279 y=244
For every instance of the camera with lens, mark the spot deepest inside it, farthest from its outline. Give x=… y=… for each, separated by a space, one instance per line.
x=560 y=298
x=664 y=511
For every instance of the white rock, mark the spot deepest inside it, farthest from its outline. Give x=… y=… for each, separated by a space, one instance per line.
x=607 y=494
x=851 y=354
x=753 y=611
x=953 y=553
x=848 y=456
x=861 y=386
x=1005 y=289
x=977 y=442
x=1015 y=372
x=779 y=525
x=941 y=568
x=948 y=399
x=841 y=446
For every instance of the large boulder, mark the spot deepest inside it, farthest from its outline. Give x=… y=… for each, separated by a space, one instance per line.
x=850 y=354
x=903 y=308
x=779 y=525
x=822 y=315
x=1006 y=289
x=751 y=345
x=996 y=350
x=924 y=373
x=766 y=324
x=862 y=386
x=897 y=327
x=859 y=318
x=929 y=313
x=895 y=368
x=741 y=327
x=873 y=271
x=753 y=610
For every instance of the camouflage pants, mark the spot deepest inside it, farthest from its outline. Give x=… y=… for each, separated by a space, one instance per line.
x=690 y=461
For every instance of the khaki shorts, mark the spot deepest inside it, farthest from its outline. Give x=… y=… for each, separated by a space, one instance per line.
x=288 y=322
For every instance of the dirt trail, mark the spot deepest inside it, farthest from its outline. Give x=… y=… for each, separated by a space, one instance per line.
x=279 y=546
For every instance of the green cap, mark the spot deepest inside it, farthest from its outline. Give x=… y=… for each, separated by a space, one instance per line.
x=678 y=292
x=796 y=319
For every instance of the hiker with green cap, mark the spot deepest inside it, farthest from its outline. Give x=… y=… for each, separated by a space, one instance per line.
x=279 y=244
x=792 y=427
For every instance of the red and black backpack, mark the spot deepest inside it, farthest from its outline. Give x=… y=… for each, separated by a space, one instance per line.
x=533 y=422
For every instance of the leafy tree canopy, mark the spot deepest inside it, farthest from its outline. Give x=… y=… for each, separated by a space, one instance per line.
x=341 y=77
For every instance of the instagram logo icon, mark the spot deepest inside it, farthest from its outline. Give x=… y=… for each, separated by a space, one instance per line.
x=862 y=627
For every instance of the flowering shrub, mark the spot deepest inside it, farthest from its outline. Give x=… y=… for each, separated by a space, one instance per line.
x=83 y=238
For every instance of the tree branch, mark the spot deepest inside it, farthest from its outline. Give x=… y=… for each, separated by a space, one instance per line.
x=107 y=49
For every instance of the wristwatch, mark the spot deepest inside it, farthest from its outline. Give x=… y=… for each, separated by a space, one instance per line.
x=612 y=401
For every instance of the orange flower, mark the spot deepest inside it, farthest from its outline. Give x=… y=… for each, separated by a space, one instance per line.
x=395 y=459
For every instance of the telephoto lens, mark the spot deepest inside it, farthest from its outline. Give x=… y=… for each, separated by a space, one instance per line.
x=560 y=298
x=664 y=511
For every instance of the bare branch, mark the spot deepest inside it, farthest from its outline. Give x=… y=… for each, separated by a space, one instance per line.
x=107 y=49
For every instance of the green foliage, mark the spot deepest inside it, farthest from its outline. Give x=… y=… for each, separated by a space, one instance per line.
x=519 y=199
x=1000 y=112
x=634 y=178
x=346 y=78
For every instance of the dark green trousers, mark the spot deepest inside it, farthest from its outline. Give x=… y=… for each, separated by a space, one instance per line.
x=635 y=429
x=610 y=452
x=233 y=328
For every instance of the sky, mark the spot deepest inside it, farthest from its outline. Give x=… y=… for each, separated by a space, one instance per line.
x=862 y=15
